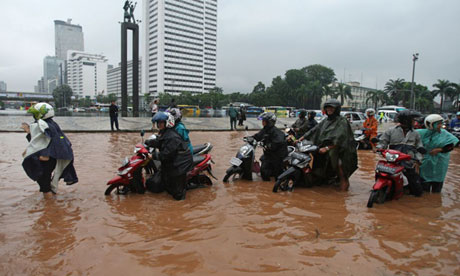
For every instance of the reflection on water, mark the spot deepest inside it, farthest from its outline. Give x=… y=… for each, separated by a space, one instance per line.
x=237 y=227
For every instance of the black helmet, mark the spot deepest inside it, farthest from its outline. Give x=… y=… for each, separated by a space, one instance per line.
x=312 y=113
x=335 y=104
x=405 y=117
x=302 y=113
x=269 y=117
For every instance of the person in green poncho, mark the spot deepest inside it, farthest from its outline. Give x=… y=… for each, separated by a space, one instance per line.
x=438 y=143
x=337 y=153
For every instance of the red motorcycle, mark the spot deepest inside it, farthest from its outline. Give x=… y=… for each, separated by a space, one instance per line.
x=131 y=178
x=389 y=179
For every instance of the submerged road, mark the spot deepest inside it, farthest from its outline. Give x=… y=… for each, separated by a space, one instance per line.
x=231 y=228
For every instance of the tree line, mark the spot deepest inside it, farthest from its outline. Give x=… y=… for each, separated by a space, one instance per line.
x=299 y=88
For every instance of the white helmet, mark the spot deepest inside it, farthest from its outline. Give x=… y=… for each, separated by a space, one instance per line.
x=370 y=110
x=165 y=117
x=41 y=111
x=431 y=119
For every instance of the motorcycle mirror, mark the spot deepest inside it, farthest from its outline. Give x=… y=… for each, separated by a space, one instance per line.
x=142 y=133
x=246 y=128
x=422 y=150
x=375 y=140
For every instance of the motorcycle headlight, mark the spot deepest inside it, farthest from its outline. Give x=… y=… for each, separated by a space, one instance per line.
x=391 y=157
x=244 y=150
x=125 y=171
x=125 y=162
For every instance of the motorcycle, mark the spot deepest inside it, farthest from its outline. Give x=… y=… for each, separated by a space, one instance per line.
x=456 y=132
x=389 y=178
x=130 y=176
x=362 y=140
x=244 y=163
x=299 y=167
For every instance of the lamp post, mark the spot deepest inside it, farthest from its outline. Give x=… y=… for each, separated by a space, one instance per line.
x=412 y=96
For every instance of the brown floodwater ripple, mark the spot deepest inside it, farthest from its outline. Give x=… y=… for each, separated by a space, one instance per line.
x=233 y=228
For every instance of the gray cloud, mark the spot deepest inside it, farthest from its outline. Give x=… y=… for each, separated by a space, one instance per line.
x=260 y=39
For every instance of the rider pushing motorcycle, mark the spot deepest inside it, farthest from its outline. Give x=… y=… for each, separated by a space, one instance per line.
x=404 y=138
x=338 y=155
x=175 y=156
x=275 y=147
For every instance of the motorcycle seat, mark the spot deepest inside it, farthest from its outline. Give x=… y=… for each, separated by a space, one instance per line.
x=198 y=159
x=198 y=148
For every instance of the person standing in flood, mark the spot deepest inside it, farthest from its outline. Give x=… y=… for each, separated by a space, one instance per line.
x=241 y=115
x=232 y=113
x=113 y=112
x=48 y=151
x=438 y=143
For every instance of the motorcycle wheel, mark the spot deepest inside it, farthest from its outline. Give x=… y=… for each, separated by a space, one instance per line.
x=283 y=184
x=381 y=195
x=232 y=175
x=371 y=200
x=109 y=189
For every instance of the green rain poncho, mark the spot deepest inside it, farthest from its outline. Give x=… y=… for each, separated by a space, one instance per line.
x=337 y=130
x=434 y=168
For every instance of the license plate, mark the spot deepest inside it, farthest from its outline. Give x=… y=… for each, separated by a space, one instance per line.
x=386 y=169
x=236 y=161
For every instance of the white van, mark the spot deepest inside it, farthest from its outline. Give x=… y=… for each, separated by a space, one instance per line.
x=391 y=108
x=388 y=115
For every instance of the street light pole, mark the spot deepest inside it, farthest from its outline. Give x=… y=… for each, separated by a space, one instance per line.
x=412 y=96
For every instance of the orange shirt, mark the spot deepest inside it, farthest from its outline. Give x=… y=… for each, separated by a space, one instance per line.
x=372 y=124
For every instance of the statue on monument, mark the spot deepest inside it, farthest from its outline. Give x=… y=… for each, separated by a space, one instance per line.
x=129 y=11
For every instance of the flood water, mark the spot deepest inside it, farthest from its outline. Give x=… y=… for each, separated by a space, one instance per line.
x=228 y=229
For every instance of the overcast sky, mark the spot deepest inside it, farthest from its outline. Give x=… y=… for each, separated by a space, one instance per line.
x=369 y=41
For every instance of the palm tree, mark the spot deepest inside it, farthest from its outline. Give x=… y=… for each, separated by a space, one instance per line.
x=376 y=96
x=343 y=91
x=456 y=95
x=328 y=91
x=424 y=100
x=393 y=87
x=444 y=87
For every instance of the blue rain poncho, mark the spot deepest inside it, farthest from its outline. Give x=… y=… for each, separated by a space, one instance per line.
x=434 y=167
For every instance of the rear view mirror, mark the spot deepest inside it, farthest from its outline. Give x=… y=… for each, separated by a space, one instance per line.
x=246 y=128
x=142 y=133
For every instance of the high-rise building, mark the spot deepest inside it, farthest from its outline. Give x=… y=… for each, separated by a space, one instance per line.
x=67 y=36
x=87 y=74
x=53 y=73
x=3 y=86
x=180 y=46
x=114 y=80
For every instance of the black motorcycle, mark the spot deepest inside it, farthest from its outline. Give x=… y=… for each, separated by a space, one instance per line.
x=299 y=164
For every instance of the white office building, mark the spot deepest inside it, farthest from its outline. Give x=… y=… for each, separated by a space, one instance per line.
x=180 y=46
x=87 y=74
x=114 y=80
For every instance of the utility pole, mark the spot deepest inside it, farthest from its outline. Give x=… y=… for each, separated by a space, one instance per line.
x=412 y=95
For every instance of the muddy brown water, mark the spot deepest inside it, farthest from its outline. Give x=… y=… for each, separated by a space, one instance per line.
x=228 y=229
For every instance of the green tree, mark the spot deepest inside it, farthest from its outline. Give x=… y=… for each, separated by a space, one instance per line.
x=456 y=95
x=344 y=92
x=318 y=76
x=62 y=95
x=376 y=96
x=259 y=88
x=393 y=89
x=444 y=88
x=85 y=102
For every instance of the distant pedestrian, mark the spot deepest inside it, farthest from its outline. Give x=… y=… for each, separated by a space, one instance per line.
x=154 y=107
x=381 y=117
x=233 y=113
x=242 y=115
x=172 y=104
x=113 y=111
